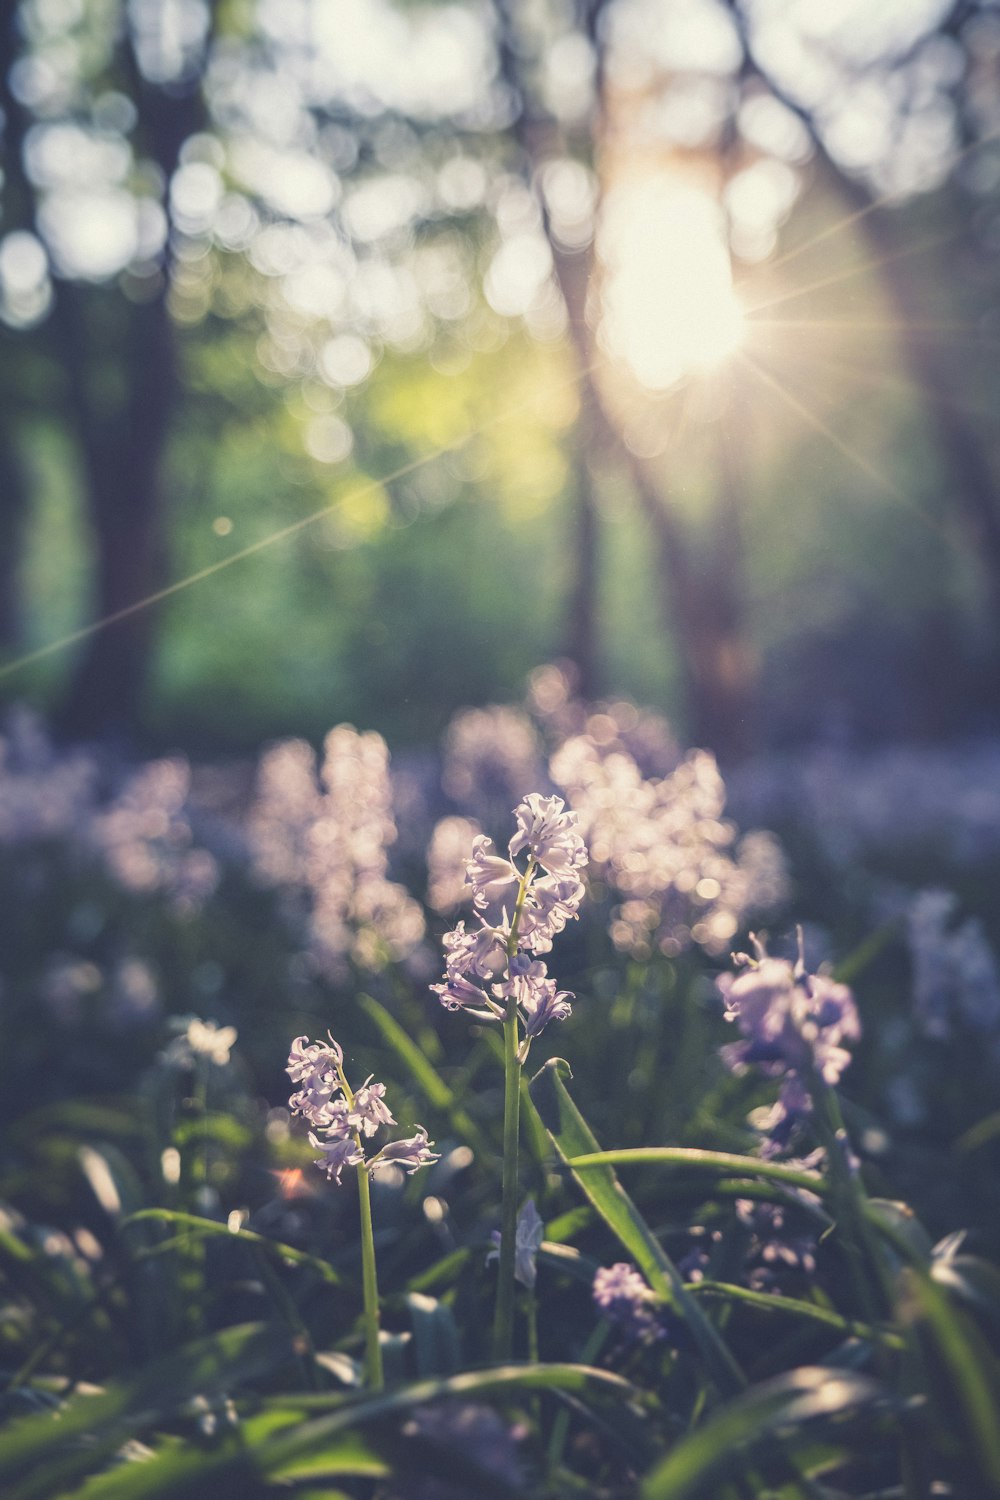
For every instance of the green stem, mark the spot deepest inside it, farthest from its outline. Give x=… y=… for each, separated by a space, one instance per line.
x=369 y=1282
x=503 y=1322
x=503 y=1326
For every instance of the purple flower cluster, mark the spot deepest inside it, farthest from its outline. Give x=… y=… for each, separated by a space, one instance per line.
x=663 y=847
x=794 y=1026
x=146 y=839
x=321 y=833
x=775 y=1250
x=623 y=1297
x=344 y=1119
x=956 y=981
x=519 y=914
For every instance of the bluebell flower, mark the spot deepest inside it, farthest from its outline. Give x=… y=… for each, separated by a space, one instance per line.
x=540 y=905
x=483 y=953
x=623 y=1297
x=369 y=1112
x=791 y=1021
x=493 y=879
x=343 y=1120
x=794 y=1027
x=409 y=1154
x=535 y=994
x=549 y=833
x=336 y=1154
x=527 y=1243
x=458 y=993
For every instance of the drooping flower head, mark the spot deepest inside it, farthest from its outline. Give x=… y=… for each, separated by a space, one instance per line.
x=343 y=1119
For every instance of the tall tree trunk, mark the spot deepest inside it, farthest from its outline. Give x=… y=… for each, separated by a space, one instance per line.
x=124 y=464
x=702 y=620
x=125 y=455
x=975 y=487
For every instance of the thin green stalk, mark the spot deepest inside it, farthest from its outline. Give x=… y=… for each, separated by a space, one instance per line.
x=503 y=1322
x=503 y=1325
x=369 y=1280
x=369 y=1284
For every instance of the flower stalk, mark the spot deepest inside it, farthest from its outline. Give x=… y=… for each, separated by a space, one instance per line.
x=343 y=1120
x=374 y=1376
x=503 y=1321
x=493 y=973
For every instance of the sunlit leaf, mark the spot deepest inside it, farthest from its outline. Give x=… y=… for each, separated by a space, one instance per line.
x=811 y=1398
x=572 y=1138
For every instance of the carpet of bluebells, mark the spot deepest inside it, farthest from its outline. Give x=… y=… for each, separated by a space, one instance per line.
x=265 y=1028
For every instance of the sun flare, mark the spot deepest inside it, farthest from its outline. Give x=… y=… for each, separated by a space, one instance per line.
x=669 y=309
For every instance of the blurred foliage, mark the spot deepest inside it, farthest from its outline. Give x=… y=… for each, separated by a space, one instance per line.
x=221 y=321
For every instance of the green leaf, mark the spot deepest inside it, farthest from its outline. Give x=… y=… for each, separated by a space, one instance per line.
x=356 y=1411
x=971 y=1372
x=719 y=1163
x=209 y=1227
x=220 y=1129
x=189 y=1469
x=979 y=1134
x=974 y=1281
x=572 y=1138
x=442 y=1272
x=793 y=1307
x=435 y=1336
x=810 y=1398
x=898 y=1224
x=426 y=1077
x=46 y=1447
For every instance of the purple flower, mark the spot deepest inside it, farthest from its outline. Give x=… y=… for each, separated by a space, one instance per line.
x=306 y=1058
x=527 y=1243
x=774 y=1249
x=323 y=835
x=317 y=1067
x=794 y=1025
x=409 y=1154
x=370 y=1112
x=341 y=1152
x=549 y=834
x=539 y=906
x=474 y=1433
x=550 y=903
x=623 y=1297
x=483 y=953
x=535 y=995
x=790 y=1020
x=344 y=1119
x=457 y=993
x=493 y=879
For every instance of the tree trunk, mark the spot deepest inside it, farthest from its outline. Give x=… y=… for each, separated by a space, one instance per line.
x=940 y=380
x=123 y=468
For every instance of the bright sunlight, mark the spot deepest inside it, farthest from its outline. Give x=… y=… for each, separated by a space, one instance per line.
x=669 y=307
